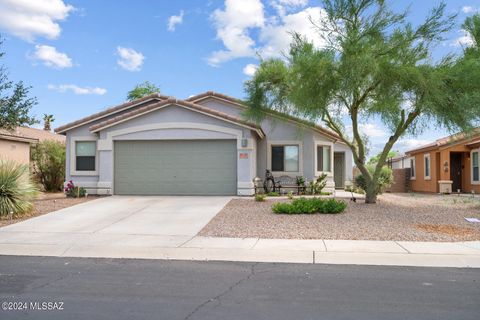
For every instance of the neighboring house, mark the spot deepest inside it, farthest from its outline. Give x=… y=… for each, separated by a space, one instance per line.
x=400 y=162
x=447 y=164
x=159 y=145
x=15 y=144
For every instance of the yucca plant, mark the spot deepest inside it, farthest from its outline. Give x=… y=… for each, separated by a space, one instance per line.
x=16 y=188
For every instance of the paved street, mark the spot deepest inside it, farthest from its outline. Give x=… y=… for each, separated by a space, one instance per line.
x=157 y=289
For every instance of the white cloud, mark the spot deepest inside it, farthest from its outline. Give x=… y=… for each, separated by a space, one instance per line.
x=250 y=69
x=28 y=19
x=130 y=59
x=465 y=40
x=409 y=144
x=51 y=57
x=277 y=37
x=76 y=89
x=173 y=21
x=233 y=24
x=237 y=22
x=372 y=130
x=468 y=9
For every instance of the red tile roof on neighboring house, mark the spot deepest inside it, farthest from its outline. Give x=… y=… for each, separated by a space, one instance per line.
x=445 y=141
x=40 y=134
x=14 y=135
x=109 y=111
x=182 y=103
x=240 y=103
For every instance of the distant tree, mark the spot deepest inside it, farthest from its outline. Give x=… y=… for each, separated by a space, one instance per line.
x=47 y=121
x=15 y=105
x=141 y=90
x=374 y=160
x=375 y=64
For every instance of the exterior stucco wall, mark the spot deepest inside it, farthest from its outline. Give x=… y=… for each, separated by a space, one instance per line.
x=168 y=123
x=15 y=150
x=277 y=130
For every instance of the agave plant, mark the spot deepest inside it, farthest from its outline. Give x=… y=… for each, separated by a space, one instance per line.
x=16 y=188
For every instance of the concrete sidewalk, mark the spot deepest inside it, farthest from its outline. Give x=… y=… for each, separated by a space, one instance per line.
x=360 y=252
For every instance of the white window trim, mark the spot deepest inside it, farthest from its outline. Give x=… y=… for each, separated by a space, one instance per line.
x=327 y=144
x=429 y=177
x=285 y=143
x=471 y=166
x=73 y=157
x=413 y=165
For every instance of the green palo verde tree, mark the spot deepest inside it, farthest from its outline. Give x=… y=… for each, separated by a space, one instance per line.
x=141 y=90
x=374 y=65
x=15 y=105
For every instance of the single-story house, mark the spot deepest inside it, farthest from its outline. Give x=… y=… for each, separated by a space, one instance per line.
x=160 y=145
x=15 y=144
x=449 y=164
x=400 y=162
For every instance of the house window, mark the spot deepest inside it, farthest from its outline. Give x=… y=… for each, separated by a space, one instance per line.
x=475 y=167
x=285 y=158
x=426 y=162
x=324 y=156
x=413 y=169
x=85 y=152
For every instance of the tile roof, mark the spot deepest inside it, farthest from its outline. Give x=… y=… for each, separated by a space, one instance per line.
x=454 y=138
x=173 y=101
x=316 y=127
x=40 y=134
x=109 y=111
x=15 y=135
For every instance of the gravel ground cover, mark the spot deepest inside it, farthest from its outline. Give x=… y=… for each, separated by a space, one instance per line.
x=407 y=217
x=47 y=202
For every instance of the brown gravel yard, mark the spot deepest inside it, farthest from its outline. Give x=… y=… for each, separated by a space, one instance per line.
x=407 y=217
x=47 y=202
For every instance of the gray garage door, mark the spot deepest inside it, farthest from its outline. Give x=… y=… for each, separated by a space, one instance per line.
x=176 y=167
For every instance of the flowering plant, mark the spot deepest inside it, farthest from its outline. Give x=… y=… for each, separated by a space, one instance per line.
x=73 y=191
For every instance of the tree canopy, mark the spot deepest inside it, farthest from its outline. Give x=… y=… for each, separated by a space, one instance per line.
x=374 y=65
x=141 y=90
x=15 y=105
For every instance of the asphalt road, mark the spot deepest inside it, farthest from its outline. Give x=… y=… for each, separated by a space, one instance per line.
x=154 y=289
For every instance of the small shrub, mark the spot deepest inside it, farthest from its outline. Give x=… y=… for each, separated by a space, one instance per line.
x=316 y=187
x=290 y=195
x=49 y=164
x=309 y=206
x=16 y=188
x=73 y=191
x=260 y=197
x=273 y=194
x=385 y=179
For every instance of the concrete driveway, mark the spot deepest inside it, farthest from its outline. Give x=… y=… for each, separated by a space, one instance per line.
x=129 y=220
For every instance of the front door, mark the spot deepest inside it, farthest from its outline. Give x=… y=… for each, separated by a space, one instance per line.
x=456 y=171
x=339 y=169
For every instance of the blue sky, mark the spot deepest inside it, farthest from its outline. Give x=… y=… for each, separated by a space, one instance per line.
x=83 y=56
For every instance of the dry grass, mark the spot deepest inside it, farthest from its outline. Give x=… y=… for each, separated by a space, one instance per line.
x=46 y=202
x=407 y=217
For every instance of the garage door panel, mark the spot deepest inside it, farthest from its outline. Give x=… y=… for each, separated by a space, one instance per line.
x=196 y=167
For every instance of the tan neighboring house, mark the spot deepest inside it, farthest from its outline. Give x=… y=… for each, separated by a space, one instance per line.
x=449 y=164
x=15 y=144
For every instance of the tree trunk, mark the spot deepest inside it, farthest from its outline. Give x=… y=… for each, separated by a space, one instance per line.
x=371 y=193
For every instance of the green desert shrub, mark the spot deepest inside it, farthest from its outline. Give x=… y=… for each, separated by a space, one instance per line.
x=260 y=197
x=49 y=164
x=16 y=188
x=385 y=179
x=316 y=187
x=273 y=194
x=309 y=206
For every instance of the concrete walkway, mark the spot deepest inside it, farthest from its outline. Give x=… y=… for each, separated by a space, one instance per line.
x=395 y=253
x=166 y=228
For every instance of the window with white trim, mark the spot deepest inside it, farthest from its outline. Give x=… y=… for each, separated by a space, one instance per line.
x=285 y=158
x=85 y=155
x=426 y=166
x=475 y=167
x=324 y=157
x=413 y=168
